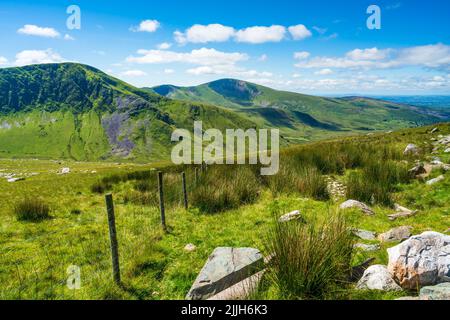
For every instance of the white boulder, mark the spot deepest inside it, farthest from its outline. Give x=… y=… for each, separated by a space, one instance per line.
x=377 y=277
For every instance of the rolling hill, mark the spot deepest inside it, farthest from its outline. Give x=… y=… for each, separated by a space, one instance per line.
x=75 y=111
x=304 y=117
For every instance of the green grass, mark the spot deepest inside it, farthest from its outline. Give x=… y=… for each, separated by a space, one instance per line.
x=35 y=256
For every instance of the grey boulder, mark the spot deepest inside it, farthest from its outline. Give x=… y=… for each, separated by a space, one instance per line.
x=350 y=204
x=377 y=277
x=437 y=292
x=225 y=267
x=422 y=260
x=396 y=234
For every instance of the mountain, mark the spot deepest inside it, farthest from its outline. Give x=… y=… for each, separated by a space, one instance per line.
x=304 y=117
x=75 y=111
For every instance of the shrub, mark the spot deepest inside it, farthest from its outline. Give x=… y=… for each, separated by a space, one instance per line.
x=309 y=261
x=376 y=182
x=101 y=186
x=31 y=209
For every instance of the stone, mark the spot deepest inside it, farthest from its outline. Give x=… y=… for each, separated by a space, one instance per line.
x=65 y=171
x=377 y=277
x=447 y=150
x=224 y=268
x=408 y=298
x=422 y=260
x=435 y=180
x=437 y=292
x=396 y=234
x=241 y=290
x=364 y=234
x=294 y=215
x=15 y=179
x=401 y=212
x=418 y=170
x=411 y=149
x=434 y=130
x=190 y=247
x=349 y=204
x=367 y=247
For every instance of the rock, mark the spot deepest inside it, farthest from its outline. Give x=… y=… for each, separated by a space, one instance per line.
x=358 y=271
x=364 y=234
x=15 y=179
x=294 y=215
x=444 y=140
x=367 y=247
x=418 y=170
x=421 y=260
x=377 y=277
x=434 y=130
x=435 y=180
x=411 y=149
x=437 y=292
x=401 y=212
x=349 y=204
x=396 y=234
x=225 y=267
x=190 y=247
x=408 y=298
x=241 y=290
x=65 y=171
x=447 y=150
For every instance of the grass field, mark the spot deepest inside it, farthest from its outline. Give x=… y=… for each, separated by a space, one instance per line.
x=154 y=265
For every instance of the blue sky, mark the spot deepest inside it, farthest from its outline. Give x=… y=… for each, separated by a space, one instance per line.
x=316 y=47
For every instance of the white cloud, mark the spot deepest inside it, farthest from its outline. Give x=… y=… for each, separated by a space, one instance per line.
x=296 y=75
x=3 y=61
x=68 y=37
x=256 y=35
x=33 y=30
x=147 y=26
x=263 y=58
x=368 y=54
x=164 y=46
x=169 y=71
x=228 y=70
x=332 y=36
x=205 y=33
x=203 y=56
x=429 y=56
x=27 y=57
x=320 y=30
x=299 y=32
x=133 y=73
x=301 y=55
x=324 y=72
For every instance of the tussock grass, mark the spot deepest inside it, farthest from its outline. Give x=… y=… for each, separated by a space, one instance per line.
x=310 y=261
x=31 y=209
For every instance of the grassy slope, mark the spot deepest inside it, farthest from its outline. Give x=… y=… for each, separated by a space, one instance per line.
x=155 y=266
x=57 y=111
x=302 y=117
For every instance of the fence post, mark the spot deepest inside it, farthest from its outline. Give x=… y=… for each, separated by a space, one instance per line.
x=196 y=175
x=113 y=238
x=161 y=200
x=183 y=178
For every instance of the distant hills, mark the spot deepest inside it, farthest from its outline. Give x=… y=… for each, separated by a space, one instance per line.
x=304 y=117
x=75 y=111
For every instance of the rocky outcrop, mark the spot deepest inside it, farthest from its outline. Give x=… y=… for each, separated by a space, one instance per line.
x=294 y=215
x=225 y=267
x=438 y=292
x=435 y=180
x=401 y=212
x=377 y=277
x=364 y=234
x=351 y=204
x=396 y=234
x=411 y=149
x=421 y=260
x=367 y=247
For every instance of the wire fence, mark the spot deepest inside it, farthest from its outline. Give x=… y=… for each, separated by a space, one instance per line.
x=74 y=261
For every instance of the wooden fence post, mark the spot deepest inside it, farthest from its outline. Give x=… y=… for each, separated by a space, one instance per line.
x=183 y=178
x=113 y=238
x=161 y=200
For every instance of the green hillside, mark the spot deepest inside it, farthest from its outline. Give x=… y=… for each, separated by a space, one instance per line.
x=75 y=111
x=302 y=116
